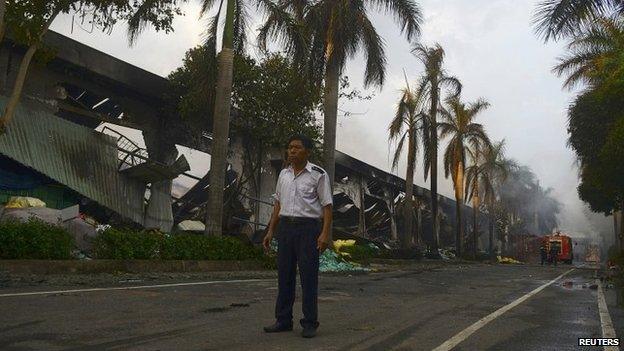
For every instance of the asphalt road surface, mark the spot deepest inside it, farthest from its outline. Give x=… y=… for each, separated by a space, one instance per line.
x=473 y=307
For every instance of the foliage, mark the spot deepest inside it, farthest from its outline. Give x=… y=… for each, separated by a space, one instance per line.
x=595 y=56
x=595 y=120
x=458 y=124
x=359 y=253
x=488 y=169
x=327 y=33
x=274 y=101
x=429 y=90
x=271 y=98
x=200 y=247
x=27 y=20
x=34 y=240
x=129 y=244
x=554 y=19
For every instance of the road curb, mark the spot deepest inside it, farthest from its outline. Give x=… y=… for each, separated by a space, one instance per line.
x=44 y=267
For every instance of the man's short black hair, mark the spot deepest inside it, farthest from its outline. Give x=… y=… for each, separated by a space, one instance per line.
x=307 y=142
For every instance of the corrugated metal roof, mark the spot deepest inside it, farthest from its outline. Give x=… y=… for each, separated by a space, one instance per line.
x=78 y=157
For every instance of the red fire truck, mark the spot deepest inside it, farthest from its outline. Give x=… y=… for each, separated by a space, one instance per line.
x=563 y=243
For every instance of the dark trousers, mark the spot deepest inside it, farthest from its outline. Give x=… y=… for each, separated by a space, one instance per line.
x=297 y=247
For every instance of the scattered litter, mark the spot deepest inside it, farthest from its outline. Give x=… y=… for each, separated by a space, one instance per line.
x=330 y=261
x=191 y=226
x=507 y=260
x=79 y=255
x=340 y=244
x=24 y=202
x=446 y=254
x=102 y=228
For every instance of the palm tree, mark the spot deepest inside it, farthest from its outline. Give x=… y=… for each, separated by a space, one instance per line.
x=595 y=54
x=474 y=178
x=429 y=88
x=489 y=168
x=219 y=91
x=458 y=124
x=407 y=124
x=326 y=34
x=554 y=19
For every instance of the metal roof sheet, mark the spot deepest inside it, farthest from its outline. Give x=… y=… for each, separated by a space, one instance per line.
x=80 y=158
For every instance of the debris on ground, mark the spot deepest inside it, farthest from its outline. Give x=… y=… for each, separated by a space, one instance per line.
x=24 y=202
x=446 y=254
x=507 y=260
x=330 y=261
x=339 y=245
x=82 y=228
x=594 y=286
x=191 y=226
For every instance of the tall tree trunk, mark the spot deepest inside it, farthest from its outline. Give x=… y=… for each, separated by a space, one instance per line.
x=2 y=21
x=433 y=134
x=491 y=227
x=408 y=210
x=330 y=110
x=475 y=218
x=9 y=109
x=221 y=127
x=419 y=225
x=459 y=198
x=616 y=232
x=362 y=206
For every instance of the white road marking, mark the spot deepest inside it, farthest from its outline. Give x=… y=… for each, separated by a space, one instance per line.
x=605 y=318
x=464 y=334
x=159 y=286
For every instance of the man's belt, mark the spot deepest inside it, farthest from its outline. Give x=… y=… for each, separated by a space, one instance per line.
x=299 y=220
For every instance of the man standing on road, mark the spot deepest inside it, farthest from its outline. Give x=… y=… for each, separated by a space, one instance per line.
x=301 y=219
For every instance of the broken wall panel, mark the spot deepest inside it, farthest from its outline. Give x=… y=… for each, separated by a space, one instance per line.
x=80 y=158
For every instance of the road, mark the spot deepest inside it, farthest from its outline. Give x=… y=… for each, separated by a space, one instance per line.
x=408 y=309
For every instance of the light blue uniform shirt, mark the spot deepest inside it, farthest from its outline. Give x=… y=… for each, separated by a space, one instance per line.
x=303 y=195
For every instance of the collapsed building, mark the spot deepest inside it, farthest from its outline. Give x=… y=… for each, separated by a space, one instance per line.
x=65 y=147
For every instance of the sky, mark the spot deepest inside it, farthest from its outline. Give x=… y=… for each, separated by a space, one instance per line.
x=490 y=46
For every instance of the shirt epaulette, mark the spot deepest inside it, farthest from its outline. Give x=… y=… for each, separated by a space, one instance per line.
x=318 y=169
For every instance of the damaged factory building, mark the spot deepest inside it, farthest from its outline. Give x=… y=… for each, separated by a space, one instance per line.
x=74 y=141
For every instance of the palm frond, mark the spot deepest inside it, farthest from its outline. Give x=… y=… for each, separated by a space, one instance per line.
x=374 y=51
x=206 y=5
x=453 y=83
x=406 y=13
x=554 y=19
x=282 y=26
x=241 y=17
x=398 y=151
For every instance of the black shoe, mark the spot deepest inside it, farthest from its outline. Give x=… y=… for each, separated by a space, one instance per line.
x=278 y=328
x=308 y=332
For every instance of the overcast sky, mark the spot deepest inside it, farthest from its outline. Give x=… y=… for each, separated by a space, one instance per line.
x=490 y=46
